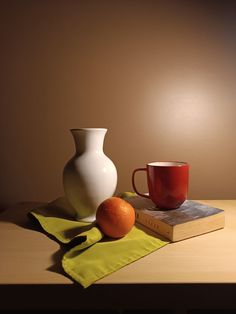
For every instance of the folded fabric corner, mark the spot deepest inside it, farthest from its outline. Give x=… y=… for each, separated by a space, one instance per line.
x=108 y=255
x=93 y=256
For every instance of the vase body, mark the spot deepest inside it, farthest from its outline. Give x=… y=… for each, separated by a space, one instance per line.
x=89 y=177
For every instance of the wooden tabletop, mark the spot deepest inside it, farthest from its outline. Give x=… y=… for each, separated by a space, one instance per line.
x=29 y=257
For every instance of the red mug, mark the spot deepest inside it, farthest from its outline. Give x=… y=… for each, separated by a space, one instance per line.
x=167 y=183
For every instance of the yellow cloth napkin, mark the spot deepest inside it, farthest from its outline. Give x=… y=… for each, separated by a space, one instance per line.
x=93 y=255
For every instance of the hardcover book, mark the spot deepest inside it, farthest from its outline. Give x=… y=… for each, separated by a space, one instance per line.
x=190 y=219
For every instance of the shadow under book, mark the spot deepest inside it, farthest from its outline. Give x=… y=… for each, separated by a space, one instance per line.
x=190 y=219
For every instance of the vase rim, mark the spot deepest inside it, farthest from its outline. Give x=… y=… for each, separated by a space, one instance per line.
x=87 y=129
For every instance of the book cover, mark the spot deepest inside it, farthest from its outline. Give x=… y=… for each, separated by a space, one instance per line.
x=190 y=219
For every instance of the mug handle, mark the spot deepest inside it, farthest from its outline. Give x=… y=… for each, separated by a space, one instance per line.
x=133 y=183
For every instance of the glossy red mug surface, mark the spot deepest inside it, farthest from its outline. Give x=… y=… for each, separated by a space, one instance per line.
x=167 y=183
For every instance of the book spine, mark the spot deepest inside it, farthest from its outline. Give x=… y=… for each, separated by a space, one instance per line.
x=154 y=224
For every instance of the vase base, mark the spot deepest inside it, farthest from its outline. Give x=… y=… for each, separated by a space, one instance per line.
x=91 y=218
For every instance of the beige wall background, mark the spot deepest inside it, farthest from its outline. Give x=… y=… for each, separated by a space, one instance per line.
x=160 y=75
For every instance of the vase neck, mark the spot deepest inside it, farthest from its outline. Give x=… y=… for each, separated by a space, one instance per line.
x=88 y=139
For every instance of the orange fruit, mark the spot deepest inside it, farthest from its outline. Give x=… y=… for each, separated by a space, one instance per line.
x=115 y=217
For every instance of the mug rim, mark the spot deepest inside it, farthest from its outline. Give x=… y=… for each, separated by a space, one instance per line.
x=168 y=163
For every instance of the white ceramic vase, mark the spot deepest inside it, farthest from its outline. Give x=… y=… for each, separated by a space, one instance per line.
x=89 y=177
